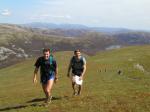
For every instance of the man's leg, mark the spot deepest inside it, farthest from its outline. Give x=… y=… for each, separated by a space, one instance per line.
x=44 y=89
x=80 y=89
x=74 y=88
x=73 y=84
x=47 y=89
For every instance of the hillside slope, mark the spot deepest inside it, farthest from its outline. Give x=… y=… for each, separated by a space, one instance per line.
x=18 y=43
x=104 y=89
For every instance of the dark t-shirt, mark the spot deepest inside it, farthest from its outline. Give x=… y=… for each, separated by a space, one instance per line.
x=45 y=66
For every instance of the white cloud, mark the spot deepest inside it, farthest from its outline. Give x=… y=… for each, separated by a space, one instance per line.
x=61 y=16
x=48 y=16
x=52 y=2
x=5 y=12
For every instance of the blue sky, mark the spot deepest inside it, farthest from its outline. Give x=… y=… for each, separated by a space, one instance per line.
x=133 y=14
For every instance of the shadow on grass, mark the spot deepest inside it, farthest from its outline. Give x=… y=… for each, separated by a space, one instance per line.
x=36 y=100
x=42 y=99
x=17 y=107
x=34 y=103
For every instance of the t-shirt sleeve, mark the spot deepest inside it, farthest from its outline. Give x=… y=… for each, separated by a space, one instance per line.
x=71 y=60
x=55 y=64
x=84 y=60
x=37 y=63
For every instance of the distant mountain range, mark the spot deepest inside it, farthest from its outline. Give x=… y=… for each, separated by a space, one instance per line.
x=19 y=42
x=55 y=26
x=76 y=27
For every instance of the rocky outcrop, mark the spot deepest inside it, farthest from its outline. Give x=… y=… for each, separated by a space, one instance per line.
x=6 y=53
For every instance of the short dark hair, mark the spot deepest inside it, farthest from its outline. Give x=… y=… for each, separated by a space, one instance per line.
x=46 y=50
x=76 y=51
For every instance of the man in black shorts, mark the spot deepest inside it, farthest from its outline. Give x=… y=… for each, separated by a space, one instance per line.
x=78 y=66
x=48 y=73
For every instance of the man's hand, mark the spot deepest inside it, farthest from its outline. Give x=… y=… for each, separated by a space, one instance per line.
x=81 y=77
x=56 y=79
x=68 y=75
x=34 y=80
x=35 y=74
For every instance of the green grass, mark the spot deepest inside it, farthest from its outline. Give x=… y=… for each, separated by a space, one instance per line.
x=104 y=90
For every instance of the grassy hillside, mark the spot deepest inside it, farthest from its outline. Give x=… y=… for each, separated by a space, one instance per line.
x=104 y=89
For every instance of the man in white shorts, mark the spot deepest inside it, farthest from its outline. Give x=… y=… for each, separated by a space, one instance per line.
x=78 y=66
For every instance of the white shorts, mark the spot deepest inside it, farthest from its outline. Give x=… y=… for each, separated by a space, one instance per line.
x=77 y=80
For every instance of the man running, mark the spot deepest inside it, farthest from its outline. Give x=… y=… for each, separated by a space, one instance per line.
x=48 y=72
x=78 y=66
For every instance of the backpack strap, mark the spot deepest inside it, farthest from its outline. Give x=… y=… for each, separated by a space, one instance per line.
x=73 y=60
x=51 y=59
x=82 y=58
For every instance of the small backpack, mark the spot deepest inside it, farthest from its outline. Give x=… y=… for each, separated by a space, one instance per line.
x=52 y=67
x=76 y=65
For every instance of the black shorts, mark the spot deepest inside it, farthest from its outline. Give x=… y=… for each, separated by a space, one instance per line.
x=45 y=78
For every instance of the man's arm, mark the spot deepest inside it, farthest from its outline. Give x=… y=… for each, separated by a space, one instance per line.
x=69 y=68
x=35 y=75
x=56 y=75
x=84 y=70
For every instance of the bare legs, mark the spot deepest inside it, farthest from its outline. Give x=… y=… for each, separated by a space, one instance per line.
x=80 y=89
x=47 y=88
x=75 y=87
